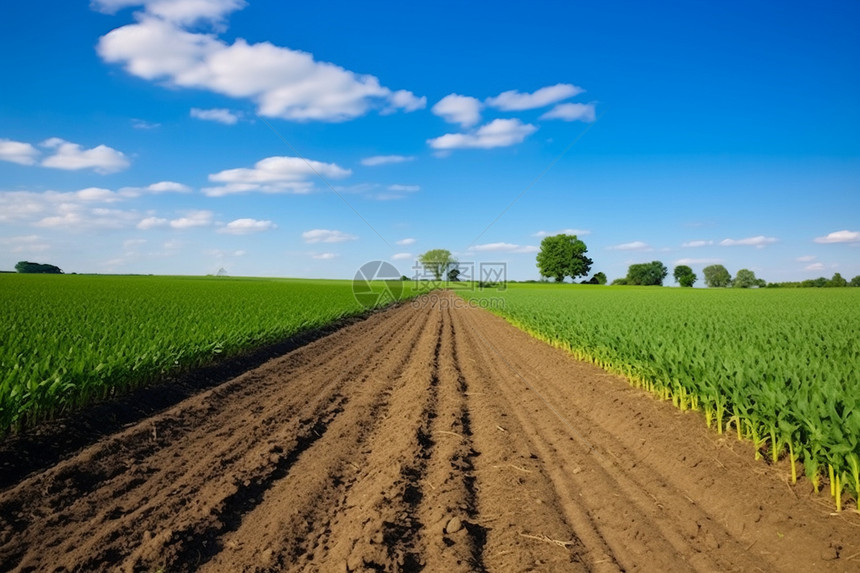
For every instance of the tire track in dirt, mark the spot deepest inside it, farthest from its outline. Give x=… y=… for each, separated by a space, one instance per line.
x=429 y=437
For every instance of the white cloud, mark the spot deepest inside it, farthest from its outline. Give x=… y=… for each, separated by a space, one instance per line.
x=406 y=241
x=455 y=108
x=687 y=261
x=405 y=188
x=168 y=187
x=77 y=210
x=497 y=133
x=385 y=160
x=274 y=175
x=577 y=232
x=247 y=226
x=24 y=244
x=326 y=236
x=184 y=12
x=284 y=83
x=840 y=237
x=514 y=100
x=504 y=248
x=220 y=115
x=192 y=219
x=18 y=152
x=806 y=259
x=634 y=246
x=572 y=112
x=401 y=256
x=814 y=267
x=152 y=223
x=132 y=243
x=78 y=218
x=324 y=256
x=155 y=188
x=694 y=244
x=71 y=156
x=760 y=241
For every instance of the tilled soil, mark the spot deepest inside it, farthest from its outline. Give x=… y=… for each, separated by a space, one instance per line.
x=429 y=437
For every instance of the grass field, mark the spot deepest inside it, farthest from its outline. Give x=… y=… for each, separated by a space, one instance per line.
x=779 y=367
x=69 y=340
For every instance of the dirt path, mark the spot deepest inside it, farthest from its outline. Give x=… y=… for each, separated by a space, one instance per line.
x=431 y=438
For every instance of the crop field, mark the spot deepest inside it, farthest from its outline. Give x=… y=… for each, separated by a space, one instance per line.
x=778 y=367
x=429 y=436
x=69 y=340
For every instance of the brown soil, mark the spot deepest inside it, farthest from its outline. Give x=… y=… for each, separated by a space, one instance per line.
x=430 y=438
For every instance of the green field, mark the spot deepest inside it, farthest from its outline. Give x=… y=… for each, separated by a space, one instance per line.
x=69 y=340
x=780 y=367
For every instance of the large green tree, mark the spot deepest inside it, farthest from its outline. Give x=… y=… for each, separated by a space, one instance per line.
x=855 y=282
x=837 y=281
x=438 y=262
x=684 y=276
x=563 y=256
x=745 y=279
x=647 y=274
x=717 y=276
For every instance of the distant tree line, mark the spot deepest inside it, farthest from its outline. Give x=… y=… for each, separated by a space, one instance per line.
x=37 y=268
x=562 y=256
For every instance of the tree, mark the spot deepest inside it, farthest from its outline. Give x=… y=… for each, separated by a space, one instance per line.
x=684 y=276
x=563 y=256
x=647 y=274
x=717 y=276
x=745 y=279
x=37 y=268
x=600 y=278
x=437 y=261
x=837 y=281
x=454 y=275
x=620 y=282
x=855 y=282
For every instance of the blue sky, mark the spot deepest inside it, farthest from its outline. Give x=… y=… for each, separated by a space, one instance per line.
x=304 y=139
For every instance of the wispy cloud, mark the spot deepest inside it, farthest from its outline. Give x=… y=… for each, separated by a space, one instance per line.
x=377 y=160
x=326 y=236
x=142 y=124
x=572 y=112
x=577 y=232
x=401 y=256
x=806 y=258
x=840 y=237
x=247 y=226
x=504 y=248
x=814 y=267
x=193 y=219
x=759 y=241
x=694 y=244
x=220 y=115
x=514 y=100
x=634 y=246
